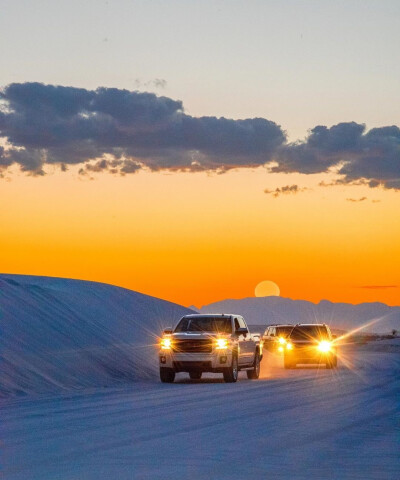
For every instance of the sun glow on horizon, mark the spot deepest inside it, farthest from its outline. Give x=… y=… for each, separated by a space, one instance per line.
x=162 y=235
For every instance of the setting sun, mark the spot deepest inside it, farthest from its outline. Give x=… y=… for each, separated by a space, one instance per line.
x=267 y=288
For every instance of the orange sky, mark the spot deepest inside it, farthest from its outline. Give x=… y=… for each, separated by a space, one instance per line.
x=194 y=238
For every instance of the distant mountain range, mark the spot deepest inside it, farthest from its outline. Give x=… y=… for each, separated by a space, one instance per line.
x=344 y=316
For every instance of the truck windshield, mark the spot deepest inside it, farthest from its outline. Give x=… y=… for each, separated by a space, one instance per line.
x=205 y=324
x=309 y=332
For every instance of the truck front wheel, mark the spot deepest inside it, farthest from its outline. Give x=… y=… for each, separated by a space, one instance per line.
x=167 y=375
x=231 y=373
x=254 y=373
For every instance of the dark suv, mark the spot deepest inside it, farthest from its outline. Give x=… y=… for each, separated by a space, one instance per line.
x=274 y=338
x=310 y=343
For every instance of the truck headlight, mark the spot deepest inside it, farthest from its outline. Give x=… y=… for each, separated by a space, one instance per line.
x=324 y=346
x=282 y=340
x=166 y=343
x=221 y=343
x=289 y=346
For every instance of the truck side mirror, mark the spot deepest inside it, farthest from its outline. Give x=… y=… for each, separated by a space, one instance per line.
x=242 y=331
x=167 y=331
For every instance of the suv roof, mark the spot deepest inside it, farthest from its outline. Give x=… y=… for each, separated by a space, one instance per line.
x=310 y=325
x=280 y=325
x=211 y=315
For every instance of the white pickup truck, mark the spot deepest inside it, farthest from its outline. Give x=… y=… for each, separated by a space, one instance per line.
x=219 y=343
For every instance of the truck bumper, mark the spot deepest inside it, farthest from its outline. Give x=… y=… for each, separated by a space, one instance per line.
x=200 y=362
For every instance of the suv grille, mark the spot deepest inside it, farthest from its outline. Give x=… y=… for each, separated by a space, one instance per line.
x=192 y=346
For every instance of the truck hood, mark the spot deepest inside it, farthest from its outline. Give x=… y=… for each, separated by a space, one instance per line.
x=198 y=335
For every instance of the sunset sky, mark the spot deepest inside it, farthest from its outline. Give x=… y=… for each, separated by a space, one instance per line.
x=299 y=183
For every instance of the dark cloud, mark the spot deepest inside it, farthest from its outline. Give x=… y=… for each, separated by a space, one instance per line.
x=5 y=161
x=323 y=148
x=47 y=124
x=129 y=166
x=373 y=156
x=378 y=160
x=65 y=125
x=286 y=190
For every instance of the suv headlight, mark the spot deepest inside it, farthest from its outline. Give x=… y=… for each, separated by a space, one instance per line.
x=324 y=346
x=282 y=340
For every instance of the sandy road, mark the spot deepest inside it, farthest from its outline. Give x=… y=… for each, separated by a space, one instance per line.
x=301 y=424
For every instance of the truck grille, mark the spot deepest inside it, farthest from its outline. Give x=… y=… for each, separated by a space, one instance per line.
x=192 y=346
x=193 y=365
x=305 y=347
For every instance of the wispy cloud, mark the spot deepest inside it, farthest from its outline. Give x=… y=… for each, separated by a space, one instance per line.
x=354 y=200
x=378 y=287
x=156 y=83
x=286 y=190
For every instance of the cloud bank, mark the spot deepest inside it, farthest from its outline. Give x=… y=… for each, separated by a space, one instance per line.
x=48 y=124
x=371 y=157
x=123 y=131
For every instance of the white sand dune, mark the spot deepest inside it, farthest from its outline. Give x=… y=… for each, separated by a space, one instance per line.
x=60 y=334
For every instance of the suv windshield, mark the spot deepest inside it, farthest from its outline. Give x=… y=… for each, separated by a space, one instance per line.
x=205 y=324
x=283 y=331
x=309 y=332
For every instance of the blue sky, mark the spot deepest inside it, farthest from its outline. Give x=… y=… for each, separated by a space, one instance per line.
x=298 y=63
